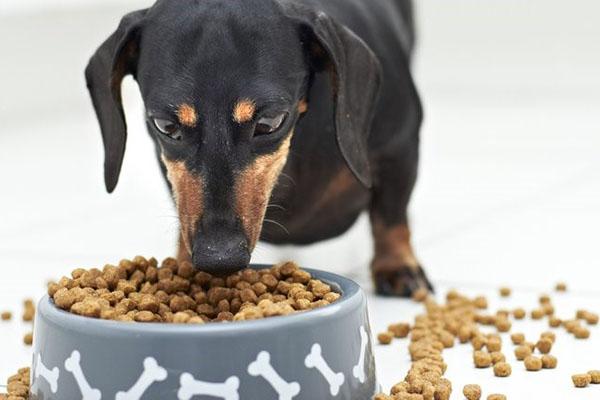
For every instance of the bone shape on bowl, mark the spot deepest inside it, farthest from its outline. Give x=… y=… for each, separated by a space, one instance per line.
x=262 y=367
x=315 y=360
x=51 y=376
x=359 y=369
x=189 y=387
x=152 y=373
x=72 y=364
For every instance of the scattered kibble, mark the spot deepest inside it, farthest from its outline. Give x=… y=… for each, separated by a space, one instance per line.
x=549 y=361
x=581 y=333
x=6 y=316
x=400 y=330
x=519 y=313
x=561 y=287
x=549 y=335
x=554 y=322
x=533 y=363
x=538 y=313
x=544 y=345
x=494 y=344
x=28 y=310
x=482 y=359
x=505 y=291
x=17 y=386
x=472 y=392
x=420 y=295
x=385 y=337
x=502 y=369
x=595 y=377
x=497 y=357
x=28 y=338
x=496 y=397
x=581 y=380
x=522 y=352
x=503 y=324
x=545 y=299
x=517 y=338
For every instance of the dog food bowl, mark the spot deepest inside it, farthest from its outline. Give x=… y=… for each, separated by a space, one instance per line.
x=320 y=354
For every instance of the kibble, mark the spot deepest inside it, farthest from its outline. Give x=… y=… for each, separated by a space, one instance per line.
x=549 y=361
x=595 y=377
x=519 y=313
x=581 y=332
x=140 y=290
x=400 y=330
x=28 y=310
x=420 y=295
x=522 y=352
x=472 y=392
x=544 y=345
x=28 y=338
x=385 y=338
x=581 y=380
x=533 y=363
x=17 y=386
x=554 y=322
x=6 y=316
x=538 y=313
x=497 y=357
x=482 y=359
x=517 y=338
x=502 y=369
x=505 y=291
x=496 y=397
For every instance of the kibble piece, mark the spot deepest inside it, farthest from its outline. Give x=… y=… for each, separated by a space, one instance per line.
x=595 y=376
x=591 y=318
x=6 y=316
x=28 y=338
x=522 y=352
x=581 y=333
x=581 y=380
x=517 y=338
x=538 y=313
x=497 y=357
x=533 y=363
x=496 y=397
x=502 y=369
x=400 y=330
x=478 y=342
x=549 y=335
x=420 y=295
x=472 y=392
x=561 y=287
x=503 y=325
x=544 y=345
x=549 y=361
x=505 y=291
x=545 y=299
x=519 y=313
x=144 y=316
x=554 y=322
x=482 y=359
x=494 y=344
x=480 y=302
x=385 y=337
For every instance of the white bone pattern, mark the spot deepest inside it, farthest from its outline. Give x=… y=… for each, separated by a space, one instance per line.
x=72 y=364
x=189 y=387
x=359 y=370
x=51 y=376
x=315 y=360
x=152 y=373
x=262 y=367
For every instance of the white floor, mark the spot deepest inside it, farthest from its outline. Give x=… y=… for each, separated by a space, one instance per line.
x=509 y=189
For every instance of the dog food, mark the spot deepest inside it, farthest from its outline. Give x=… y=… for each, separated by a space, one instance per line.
x=589 y=317
x=385 y=337
x=544 y=299
x=6 y=316
x=581 y=380
x=503 y=324
x=482 y=359
x=595 y=375
x=17 y=386
x=400 y=330
x=517 y=338
x=544 y=345
x=497 y=357
x=533 y=363
x=581 y=333
x=28 y=310
x=472 y=392
x=502 y=369
x=494 y=344
x=420 y=295
x=505 y=291
x=28 y=338
x=548 y=335
x=554 y=322
x=519 y=313
x=140 y=290
x=538 y=313
x=496 y=397
x=549 y=361
x=522 y=352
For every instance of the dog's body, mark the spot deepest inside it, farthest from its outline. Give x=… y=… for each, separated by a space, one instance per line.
x=312 y=176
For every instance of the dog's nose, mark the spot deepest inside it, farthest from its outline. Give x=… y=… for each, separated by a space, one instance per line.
x=221 y=253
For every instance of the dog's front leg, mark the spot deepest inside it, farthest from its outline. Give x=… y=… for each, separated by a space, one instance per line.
x=395 y=269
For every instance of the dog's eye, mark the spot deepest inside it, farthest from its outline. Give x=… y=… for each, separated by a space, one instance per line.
x=266 y=125
x=168 y=128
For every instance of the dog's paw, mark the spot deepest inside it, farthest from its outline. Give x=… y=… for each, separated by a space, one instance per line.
x=402 y=282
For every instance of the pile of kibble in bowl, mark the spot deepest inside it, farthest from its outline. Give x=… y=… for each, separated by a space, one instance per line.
x=139 y=290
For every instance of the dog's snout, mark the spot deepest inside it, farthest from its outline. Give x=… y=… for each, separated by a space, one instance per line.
x=220 y=252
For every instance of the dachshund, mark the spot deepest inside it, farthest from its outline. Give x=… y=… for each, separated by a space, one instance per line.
x=274 y=120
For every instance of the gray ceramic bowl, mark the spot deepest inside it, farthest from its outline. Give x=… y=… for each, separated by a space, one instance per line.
x=321 y=354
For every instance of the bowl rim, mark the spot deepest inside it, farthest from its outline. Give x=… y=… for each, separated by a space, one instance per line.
x=352 y=297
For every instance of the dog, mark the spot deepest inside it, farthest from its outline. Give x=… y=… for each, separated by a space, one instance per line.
x=278 y=120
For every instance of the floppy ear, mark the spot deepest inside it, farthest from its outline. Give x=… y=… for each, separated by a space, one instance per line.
x=356 y=76
x=114 y=59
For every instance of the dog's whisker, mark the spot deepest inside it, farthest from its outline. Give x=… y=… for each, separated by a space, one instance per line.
x=278 y=206
x=277 y=224
x=289 y=178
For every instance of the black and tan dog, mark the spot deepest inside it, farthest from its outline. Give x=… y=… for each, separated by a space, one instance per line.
x=274 y=119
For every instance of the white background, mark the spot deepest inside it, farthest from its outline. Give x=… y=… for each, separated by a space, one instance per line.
x=508 y=193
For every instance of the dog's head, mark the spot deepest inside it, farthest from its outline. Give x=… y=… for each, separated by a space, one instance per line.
x=224 y=82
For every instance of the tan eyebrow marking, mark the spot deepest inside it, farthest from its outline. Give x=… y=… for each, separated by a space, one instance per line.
x=244 y=111
x=302 y=106
x=187 y=115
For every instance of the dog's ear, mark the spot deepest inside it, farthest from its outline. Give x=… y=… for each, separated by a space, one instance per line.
x=114 y=59
x=356 y=75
